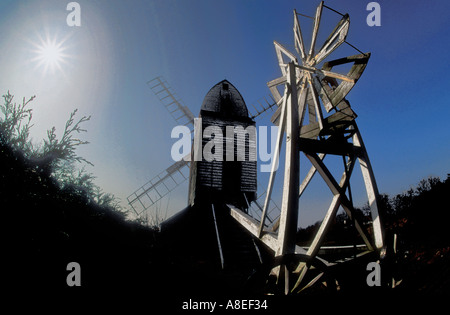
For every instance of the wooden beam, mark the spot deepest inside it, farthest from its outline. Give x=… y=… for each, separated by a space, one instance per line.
x=289 y=205
x=336 y=189
x=268 y=238
x=328 y=146
x=308 y=177
x=316 y=102
x=279 y=57
x=277 y=81
x=344 y=116
x=331 y=213
x=303 y=185
x=326 y=222
x=275 y=119
x=336 y=38
x=349 y=211
x=301 y=100
x=358 y=59
x=336 y=75
x=315 y=29
x=252 y=225
x=298 y=38
x=371 y=189
x=218 y=237
x=315 y=245
x=276 y=94
x=274 y=167
x=311 y=110
x=323 y=92
x=279 y=48
x=326 y=73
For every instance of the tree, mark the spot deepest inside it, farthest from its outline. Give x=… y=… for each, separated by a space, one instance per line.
x=13 y=131
x=55 y=158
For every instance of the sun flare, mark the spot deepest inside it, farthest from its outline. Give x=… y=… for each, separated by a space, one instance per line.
x=50 y=55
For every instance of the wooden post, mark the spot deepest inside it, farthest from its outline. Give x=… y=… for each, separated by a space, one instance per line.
x=371 y=189
x=317 y=19
x=273 y=170
x=289 y=207
x=219 y=245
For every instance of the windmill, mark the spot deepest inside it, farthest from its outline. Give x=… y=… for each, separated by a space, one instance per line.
x=315 y=119
x=318 y=121
x=144 y=200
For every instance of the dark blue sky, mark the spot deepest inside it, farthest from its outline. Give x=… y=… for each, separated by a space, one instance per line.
x=401 y=99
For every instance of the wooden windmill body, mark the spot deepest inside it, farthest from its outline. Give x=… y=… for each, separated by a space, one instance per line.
x=226 y=179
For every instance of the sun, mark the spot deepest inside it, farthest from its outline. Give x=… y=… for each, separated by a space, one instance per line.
x=49 y=55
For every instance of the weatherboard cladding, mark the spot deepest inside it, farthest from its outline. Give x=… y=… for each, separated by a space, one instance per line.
x=234 y=181
x=211 y=173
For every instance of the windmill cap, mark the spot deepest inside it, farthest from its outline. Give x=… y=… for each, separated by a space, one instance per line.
x=225 y=99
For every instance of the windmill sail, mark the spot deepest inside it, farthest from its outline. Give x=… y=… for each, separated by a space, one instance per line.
x=158 y=187
x=166 y=96
x=262 y=106
x=273 y=212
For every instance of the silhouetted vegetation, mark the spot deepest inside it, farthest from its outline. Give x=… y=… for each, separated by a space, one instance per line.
x=419 y=220
x=53 y=214
x=54 y=158
x=419 y=214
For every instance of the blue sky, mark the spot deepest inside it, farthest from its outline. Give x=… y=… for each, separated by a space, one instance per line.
x=401 y=99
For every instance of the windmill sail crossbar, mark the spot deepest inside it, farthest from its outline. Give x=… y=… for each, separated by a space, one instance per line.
x=179 y=112
x=158 y=187
x=263 y=105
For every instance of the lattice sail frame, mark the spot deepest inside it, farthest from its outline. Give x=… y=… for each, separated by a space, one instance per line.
x=146 y=196
x=308 y=87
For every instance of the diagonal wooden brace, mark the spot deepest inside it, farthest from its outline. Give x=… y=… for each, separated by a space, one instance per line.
x=336 y=189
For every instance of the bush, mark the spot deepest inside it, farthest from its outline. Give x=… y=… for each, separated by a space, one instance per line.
x=55 y=157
